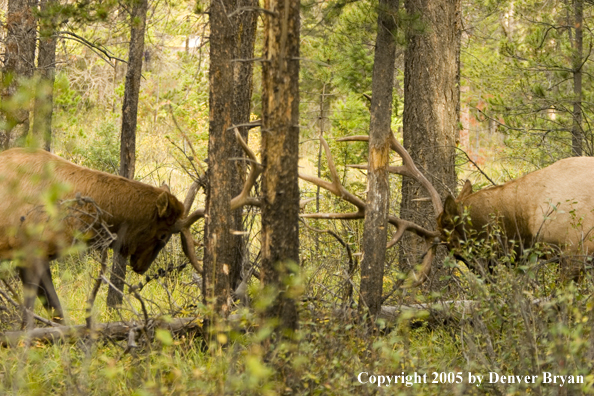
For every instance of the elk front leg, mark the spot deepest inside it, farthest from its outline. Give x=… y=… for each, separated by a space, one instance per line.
x=37 y=282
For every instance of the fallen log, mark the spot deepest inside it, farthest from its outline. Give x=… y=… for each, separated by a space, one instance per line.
x=114 y=330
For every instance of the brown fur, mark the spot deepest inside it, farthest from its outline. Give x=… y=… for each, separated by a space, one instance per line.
x=143 y=216
x=553 y=205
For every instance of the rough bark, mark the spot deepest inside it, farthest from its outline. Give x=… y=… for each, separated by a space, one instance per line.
x=576 y=131
x=19 y=63
x=280 y=152
x=218 y=239
x=128 y=135
x=431 y=110
x=378 y=191
x=243 y=73
x=46 y=66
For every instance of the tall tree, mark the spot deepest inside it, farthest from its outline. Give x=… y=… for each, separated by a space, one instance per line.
x=243 y=73
x=129 y=119
x=218 y=252
x=46 y=65
x=578 y=44
x=280 y=154
x=19 y=61
x=431 y=106
x=378 y=191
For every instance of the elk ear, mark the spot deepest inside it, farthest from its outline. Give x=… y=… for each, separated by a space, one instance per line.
x=162 y=204
x=466 y=191
x=450 y=207
x=165 y=187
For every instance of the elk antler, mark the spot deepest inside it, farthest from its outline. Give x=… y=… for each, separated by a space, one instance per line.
x=407 y=169
x=183 y=225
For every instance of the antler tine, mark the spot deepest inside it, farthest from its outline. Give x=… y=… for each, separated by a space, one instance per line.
x=335 y=187
x=415 y=280
x=188 y=246
x=404 y=225
x=256 y=168
x=408 y=169
x=190 y=197
x=412 y=171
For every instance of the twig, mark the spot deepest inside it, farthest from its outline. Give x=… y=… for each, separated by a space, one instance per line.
x=477 y=167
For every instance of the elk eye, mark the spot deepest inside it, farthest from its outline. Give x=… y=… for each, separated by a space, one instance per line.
x=163 y=237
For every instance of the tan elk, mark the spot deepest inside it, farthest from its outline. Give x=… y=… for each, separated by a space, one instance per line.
x=552 y=205
x=142 y=217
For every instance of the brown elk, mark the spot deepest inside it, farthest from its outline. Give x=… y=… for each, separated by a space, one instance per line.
x=552 y=205
x=142 y=217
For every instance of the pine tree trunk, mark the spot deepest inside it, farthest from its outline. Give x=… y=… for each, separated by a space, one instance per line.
x=46 y=64
x=576 y=131
x=129 y=120
x=218 y=252
x=280 y=154
x=431 y=110
x=243 y=70
x=378 y=191
x=19 y=61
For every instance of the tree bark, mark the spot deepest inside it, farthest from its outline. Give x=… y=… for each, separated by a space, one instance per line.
x=243 y=73
x=431 y=109
x=128 y=136
x=378 y=191
x=280 y=153
x=46 y=65
x=576 y=130
x=19 y=62
x=218 y=250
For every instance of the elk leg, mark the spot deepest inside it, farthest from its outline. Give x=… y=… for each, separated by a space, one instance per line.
x=37 y=282
x=48 y=296
x=30 y=274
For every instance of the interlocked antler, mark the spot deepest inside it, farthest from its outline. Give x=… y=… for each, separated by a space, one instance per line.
x=183 y=225
x=407 y=169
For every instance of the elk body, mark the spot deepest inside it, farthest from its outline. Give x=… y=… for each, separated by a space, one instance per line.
x=143 y=217
x=553 y=205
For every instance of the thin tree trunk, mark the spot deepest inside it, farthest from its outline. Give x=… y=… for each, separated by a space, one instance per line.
x=218 y=252
x=280 y=154
x=46 y=64
x=128 y=137
x=431 y=109
x=243 y=70
x=19 y=63
x=576 y=130
x=378 y=191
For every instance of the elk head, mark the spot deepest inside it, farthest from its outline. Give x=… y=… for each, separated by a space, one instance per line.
x=168 y=211
x=449 y=222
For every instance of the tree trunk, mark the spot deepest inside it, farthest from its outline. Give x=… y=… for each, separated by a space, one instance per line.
x=243 y=73
x=218 y=251
x=280 y=154
x=128 y=137
x=46 y=65
x=576 y=130
x=378 y=191
x=431 y=109
x=19 y=62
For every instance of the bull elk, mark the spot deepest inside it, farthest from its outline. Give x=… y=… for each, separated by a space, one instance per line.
x=142 y=217
x=553 y=205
